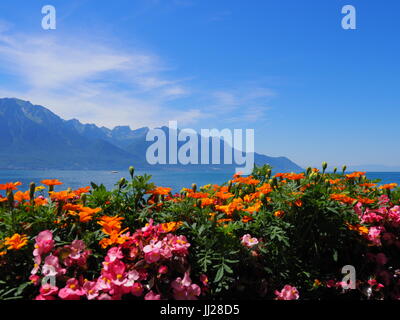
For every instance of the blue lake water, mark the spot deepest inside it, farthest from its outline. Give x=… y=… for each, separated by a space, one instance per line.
x=173 y=179
x=76 y=178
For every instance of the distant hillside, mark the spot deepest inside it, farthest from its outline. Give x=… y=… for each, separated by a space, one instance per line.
x=32 y=137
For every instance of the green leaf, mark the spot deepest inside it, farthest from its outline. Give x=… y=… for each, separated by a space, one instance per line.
x=220 y=274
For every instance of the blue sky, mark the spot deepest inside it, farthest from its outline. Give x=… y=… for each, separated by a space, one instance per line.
x=312 y=91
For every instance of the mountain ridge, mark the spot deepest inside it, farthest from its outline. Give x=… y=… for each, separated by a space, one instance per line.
x=33 y=137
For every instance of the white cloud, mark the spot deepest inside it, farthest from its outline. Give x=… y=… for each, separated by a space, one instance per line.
x=90 y=81
x=99 y=83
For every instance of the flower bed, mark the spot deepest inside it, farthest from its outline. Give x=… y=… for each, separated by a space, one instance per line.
x=285 y=236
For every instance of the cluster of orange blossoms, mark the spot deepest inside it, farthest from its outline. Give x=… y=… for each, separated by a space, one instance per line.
x=355 y=175
x=85 y=213
x=112 y=226
x=16 y=242
x=290 y=176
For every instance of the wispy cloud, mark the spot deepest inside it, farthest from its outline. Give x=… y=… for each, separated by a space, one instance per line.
x=103 y=84
x=90 y=81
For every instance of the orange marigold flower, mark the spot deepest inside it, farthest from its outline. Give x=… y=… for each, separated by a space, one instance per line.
x=246 y=219
x=229 y=209
x=62 y=195
x=265 y=188
x=298 y=203
x=223 y=193
x=354 y=175
x=207 y=202
x=365 y=200
x=368 y=185
x=254 y=208
x=198 y=195
x=40 y=202
x=246 y=180
x=388 y=186
x=10 y=186
x=171 y=226
x=334 y=181
x=290 y=176
x=160 y=191
x=79 y=191
x=16 y=242
x=279 y=213
x=86 y=214
x=21 y=196
x=362 y=230
x=224 y=220
x=115 y=238
x=51 y=182
x=110 y=224
x=342 y=198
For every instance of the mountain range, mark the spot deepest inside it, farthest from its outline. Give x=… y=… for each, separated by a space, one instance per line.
x=33 y=137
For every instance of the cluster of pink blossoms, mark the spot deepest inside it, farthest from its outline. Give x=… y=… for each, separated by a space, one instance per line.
x=381 y=221
x=139 y=267
x=287 y=293
x=384 y=234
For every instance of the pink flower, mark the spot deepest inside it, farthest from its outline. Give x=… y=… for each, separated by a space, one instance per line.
x=44 y=243
x=152 y=251
x=184 y=289
x=130 y=278
x=358 y=209
x=90 y=289
x=383 y=200
x=116 y=272
x=48 y=290
x=374 y=235
x=152 y=296
x=78 y=253
x=371 y=217
x=51 y=267
x=104 y=296
x=204 y=280
x=35 y=279
x=162 y=269
x=287 y=293
x=71 y=291
x=42 y=297
x=113 y=254
x=248 y=241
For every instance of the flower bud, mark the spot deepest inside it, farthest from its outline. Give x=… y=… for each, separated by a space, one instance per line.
x=194 y=187
x=122 y=183
x=344 y=168
x=83 y=198
x=324 y=166
x=32 y=188
x=308 y=170
x=230 y=186
x=10 y=198
x=131 y=171
x=334 y=170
